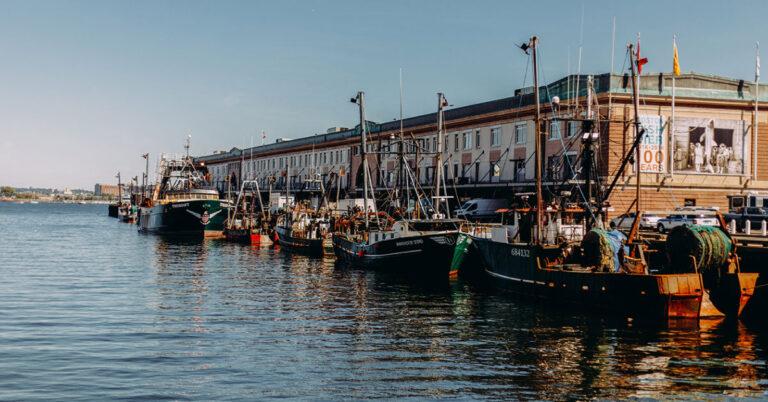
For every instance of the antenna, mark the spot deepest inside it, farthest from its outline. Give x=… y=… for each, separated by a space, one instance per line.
x=578 y=66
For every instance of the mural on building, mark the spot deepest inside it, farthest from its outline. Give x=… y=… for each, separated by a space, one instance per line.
x=711 y=146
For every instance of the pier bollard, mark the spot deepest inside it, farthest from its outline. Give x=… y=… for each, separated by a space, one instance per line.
x=763 y=228
x=747 y=227
x=732 y=226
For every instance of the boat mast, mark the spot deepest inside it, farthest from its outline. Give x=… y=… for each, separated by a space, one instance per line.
x=360 y=101
x=534 y=42
x=145 y=182
x=119 y=189
x=287 y=179
x=638 y=129
x=439 y=179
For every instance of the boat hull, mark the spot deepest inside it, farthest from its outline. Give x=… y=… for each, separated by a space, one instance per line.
x=424 y=254
x=516 y=267
x=311 y=247
x=246 y=236
x=194 y=217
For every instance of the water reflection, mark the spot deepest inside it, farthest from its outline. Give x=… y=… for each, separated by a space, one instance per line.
x=335 y=331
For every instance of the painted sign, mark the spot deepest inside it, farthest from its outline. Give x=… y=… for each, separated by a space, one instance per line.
x=653 y=149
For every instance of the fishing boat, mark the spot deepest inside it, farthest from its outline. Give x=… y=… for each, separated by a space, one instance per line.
x=558 y=251
x=126 y=213
x=303 y=230
x=372 y=239
x=244 y=223
x=426 y=245
x=182 y=203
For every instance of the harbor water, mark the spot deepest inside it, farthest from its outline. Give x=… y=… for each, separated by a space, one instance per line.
x=92 y=309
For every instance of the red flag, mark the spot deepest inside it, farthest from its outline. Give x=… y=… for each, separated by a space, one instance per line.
x=640 y=61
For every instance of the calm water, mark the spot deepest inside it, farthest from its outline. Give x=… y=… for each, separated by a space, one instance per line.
x=91 y=309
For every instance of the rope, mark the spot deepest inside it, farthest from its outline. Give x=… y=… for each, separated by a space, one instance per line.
x=570 y=166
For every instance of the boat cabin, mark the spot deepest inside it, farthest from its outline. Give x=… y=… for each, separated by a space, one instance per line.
x=559 y=225
x=190 y=194
x=415 y=227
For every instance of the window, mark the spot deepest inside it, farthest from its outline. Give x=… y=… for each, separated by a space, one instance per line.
x=520 y=134
x=477 y=139
x=455 y=142
x=496 y=136
x=494 y=170
x=554 y=130
x=434 y=143
x=520 y=170
x=447 y=140
x=572 y=129
x=567 y=168
x=553 y=167
x=467 y=140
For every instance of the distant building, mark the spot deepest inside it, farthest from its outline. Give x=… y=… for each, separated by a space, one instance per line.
x=105 y=189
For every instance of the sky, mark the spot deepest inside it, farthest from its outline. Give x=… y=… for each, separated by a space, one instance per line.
x=86 y=87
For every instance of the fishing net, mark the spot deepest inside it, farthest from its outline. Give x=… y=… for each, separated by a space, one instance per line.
x=601 y=249
x=708 y=245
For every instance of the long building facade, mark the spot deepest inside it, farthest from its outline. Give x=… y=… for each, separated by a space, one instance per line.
x=704 y=150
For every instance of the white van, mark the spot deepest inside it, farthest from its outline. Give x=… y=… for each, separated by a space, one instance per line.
x=481 y=209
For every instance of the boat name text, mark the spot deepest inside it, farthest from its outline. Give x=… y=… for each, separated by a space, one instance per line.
x=520 y=252
x=409 y=242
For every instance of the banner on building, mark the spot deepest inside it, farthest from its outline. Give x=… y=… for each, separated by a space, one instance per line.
x=653 y=149
x=709 y=146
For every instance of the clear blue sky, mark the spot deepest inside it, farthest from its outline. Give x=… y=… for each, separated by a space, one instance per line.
x=86 y=87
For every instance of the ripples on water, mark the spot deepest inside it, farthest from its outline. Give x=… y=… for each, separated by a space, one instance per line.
x=91 y=309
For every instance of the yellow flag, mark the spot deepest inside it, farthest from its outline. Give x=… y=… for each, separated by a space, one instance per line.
x=675 y=64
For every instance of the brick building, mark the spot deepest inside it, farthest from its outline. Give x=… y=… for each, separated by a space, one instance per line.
x=488 y=147
x=105 y=189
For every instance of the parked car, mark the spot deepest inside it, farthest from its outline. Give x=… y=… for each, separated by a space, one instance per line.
x=480 y=209
x=755 y=215
x=624 y=221
x=675 y=220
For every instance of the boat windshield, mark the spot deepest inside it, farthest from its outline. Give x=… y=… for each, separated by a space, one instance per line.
x=191 y=196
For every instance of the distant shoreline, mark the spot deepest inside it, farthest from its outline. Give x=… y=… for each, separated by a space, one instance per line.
x=28 y=201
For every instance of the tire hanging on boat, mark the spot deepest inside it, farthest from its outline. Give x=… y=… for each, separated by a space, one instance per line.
x=709 y=246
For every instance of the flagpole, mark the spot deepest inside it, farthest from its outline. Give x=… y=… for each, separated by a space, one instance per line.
x=757 y=88
x=671 y=125
x=610 y=80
